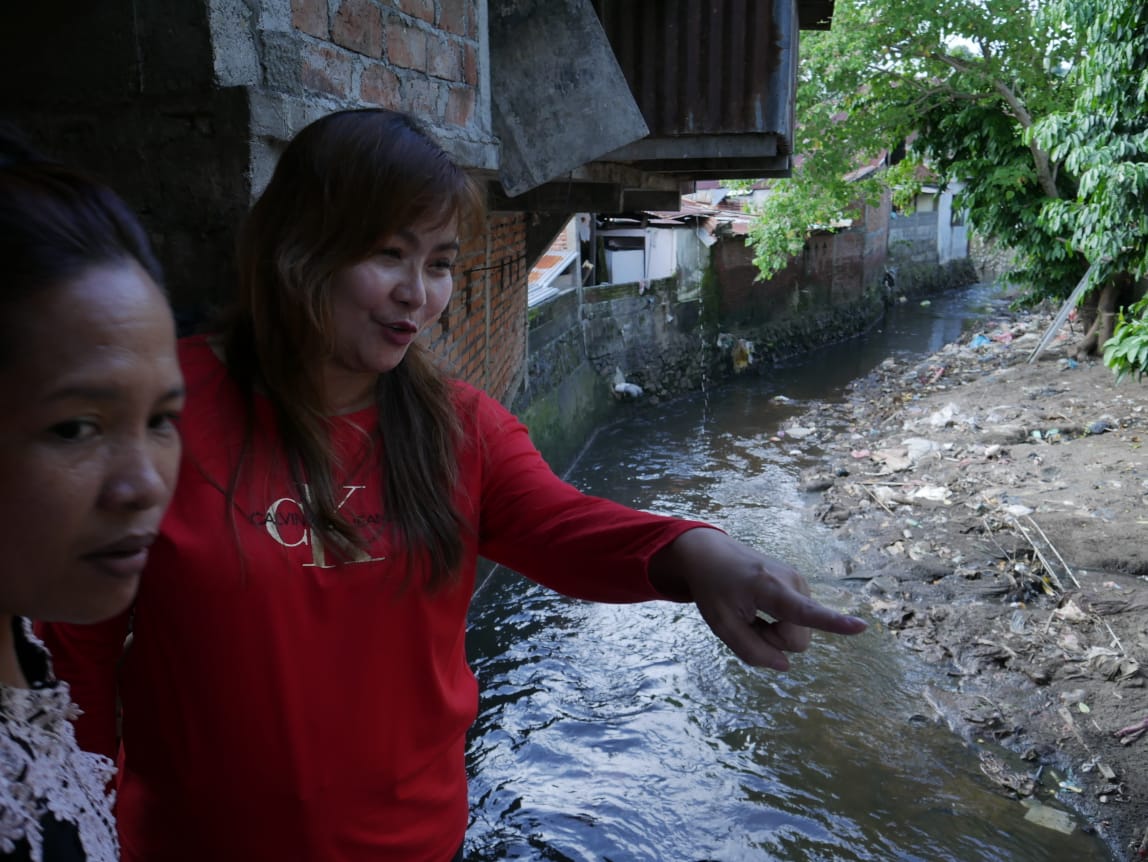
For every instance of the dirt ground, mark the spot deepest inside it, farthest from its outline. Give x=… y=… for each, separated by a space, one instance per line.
x=997 y=510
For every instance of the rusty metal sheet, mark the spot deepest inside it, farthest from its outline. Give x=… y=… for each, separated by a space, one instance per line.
x=708 y=67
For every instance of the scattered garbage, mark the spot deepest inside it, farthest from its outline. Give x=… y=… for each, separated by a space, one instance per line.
x=630 y=391
x=999 y=506
x=624 y=389
x=797 y=432
x=1049 y=817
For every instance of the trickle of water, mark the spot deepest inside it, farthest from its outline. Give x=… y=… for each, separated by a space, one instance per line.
x=706 y=350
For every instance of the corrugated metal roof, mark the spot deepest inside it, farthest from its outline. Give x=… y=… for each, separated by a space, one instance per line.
x=707 y=67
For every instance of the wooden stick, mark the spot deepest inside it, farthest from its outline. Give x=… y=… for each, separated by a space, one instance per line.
x=1039 y=555
x=1067 y=568
x=879 y=501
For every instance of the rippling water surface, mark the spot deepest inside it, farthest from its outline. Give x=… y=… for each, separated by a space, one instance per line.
x=630 y=733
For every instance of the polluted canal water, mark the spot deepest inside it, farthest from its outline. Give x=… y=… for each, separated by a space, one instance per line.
x=631 y=734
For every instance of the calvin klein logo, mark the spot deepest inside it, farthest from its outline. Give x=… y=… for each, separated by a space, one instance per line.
x=287 y=512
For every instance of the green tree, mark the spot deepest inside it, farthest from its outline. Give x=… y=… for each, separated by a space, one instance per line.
x=965 y=80
x=1103 y=140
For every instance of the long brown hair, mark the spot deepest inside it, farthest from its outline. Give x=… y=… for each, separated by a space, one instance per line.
x=342 y=183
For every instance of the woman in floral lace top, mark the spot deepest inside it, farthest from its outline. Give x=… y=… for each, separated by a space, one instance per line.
x=89 y=390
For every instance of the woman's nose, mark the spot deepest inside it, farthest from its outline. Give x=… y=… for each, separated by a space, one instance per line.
x=411 y=291
x=136 y=478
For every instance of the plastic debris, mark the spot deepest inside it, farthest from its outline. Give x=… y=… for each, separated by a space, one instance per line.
x=1049 y=817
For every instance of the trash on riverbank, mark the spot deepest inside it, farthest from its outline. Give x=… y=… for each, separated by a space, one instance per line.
x=1049 y=817
x=995 y=516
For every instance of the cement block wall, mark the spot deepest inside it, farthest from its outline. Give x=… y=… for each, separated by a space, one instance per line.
x=914 y=258
x=128 y=90
x=184 y=105
x=913 y=239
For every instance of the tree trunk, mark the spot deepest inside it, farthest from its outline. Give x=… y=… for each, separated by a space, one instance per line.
x=1104 y=321
x=1087 y=311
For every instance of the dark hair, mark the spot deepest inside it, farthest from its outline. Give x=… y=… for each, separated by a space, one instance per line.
x=342 y=183
x=56 y=222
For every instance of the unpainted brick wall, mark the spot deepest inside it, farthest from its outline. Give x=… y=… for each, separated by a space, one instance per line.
x=183 y=105
x=482 y=334
x=419 y=56
x=833 y=268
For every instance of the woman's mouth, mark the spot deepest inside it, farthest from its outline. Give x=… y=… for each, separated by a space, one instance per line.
x=124 y=558
x=401 y=333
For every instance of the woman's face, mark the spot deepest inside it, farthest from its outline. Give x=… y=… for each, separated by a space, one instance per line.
x=89 y=390
x=381 y=305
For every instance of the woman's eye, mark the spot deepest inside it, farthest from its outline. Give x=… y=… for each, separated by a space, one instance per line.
x=75 y=430
x=443 y=265
x=164 y=421
x=390 y=253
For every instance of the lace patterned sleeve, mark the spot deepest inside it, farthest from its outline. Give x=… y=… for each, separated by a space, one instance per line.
x=44 y=777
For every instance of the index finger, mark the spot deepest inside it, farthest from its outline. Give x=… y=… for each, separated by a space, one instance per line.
x=794 y=608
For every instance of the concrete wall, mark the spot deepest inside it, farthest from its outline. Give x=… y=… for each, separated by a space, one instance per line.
x=563 y=399
x=129 y=90
x=645 y=332
x=913 y=238
x=184 y=105
x=928 y=236
x=652 y=332
x=927 y=252
x=952 y=232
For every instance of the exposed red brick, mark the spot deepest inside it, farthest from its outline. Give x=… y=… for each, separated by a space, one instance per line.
x=380 y=86
x=310 y=16
x=452 y=15
x=358 y=25
x=469 y=65
x=407 y=47
x=487 y=336
x=421 y=9
x=420 y=97
x=443 y=58
x=326 y=69
x=459 y=106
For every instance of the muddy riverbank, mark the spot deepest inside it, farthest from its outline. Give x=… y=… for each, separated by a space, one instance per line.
x=996 y=513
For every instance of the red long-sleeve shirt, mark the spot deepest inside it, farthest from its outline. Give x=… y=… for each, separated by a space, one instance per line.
x=279 y=706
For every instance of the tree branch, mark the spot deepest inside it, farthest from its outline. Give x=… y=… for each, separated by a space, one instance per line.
x=1040 y=158
x=1044 y=171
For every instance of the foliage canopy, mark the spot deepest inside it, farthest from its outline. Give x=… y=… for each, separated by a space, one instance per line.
x=964 y=81
x=1035 y=108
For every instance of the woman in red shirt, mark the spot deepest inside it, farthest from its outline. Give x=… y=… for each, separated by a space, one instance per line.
x=297 y=685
